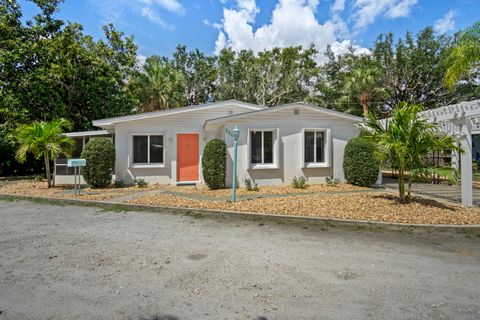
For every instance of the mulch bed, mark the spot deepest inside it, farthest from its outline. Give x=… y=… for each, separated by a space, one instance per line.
x=375 y=206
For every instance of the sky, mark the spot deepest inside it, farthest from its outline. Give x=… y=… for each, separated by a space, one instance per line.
x=158 y=26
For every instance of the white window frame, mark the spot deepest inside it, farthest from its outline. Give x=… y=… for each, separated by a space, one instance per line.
x=131 y=164
x=324 y=164
x=276 y=148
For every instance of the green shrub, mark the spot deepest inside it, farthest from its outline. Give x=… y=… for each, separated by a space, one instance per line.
x=100 y=156
x=251 y=185
x=119 y=184
x=299 y=183
x=141 y=183
x=331 y=181
x=214 y=164
x=360 y=165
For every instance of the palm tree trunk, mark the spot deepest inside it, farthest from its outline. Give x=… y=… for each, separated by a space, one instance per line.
x=47 y=171
x=401 y=184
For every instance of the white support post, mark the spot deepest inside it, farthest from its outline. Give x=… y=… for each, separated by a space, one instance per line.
x=466 y=167
x=456 y=159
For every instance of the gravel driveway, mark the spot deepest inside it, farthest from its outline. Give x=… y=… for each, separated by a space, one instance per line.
x=69 y=262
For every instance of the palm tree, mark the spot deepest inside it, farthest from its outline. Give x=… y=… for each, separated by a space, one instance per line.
x=464 y=57
x=363 y=83
x=405 y=140
x=44 y=139
x=160 y=85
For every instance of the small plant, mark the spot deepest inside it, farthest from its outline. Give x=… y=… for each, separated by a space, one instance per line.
x=39 y=177
x=119 y=184
x=299 y=183
x=331 y=181
x=141 y=183
x=251 y=185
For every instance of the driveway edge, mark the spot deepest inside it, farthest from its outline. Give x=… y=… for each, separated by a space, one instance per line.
x=115 y=206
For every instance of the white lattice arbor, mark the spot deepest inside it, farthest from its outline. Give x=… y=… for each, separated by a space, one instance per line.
x=460 y=120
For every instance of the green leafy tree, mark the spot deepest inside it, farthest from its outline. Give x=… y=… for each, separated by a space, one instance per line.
x=44 y=140
x=160 y=85
x=464 y=57
x=405 y=140
x=100 y=156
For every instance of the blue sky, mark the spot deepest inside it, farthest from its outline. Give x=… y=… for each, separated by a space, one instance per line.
x=160 y=25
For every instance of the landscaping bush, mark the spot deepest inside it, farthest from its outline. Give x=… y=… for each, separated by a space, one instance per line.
x=100 y=156
x=214 y=164
x=251 y=185
x=360 y=165
x=299 y=183
x=331 y=181
x=119 y=184
x=141 y=183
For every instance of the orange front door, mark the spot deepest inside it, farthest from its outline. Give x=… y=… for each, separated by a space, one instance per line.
x=187 y=157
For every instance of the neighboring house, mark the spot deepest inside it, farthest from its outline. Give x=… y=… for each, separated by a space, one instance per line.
x=275 y=144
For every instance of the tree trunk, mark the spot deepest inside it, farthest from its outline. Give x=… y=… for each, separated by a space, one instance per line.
x=365 y=102
x=409 y=188
x=401 y=185
x=47 y=171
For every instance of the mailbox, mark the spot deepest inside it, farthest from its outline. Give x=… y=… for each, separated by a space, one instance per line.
x=77 y=163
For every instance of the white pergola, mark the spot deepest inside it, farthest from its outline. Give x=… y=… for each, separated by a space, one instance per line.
x=460 y=120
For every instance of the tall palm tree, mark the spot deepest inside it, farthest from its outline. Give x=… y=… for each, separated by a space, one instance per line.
x=363 y=83
x=45 y=140
x=160 y=85
x=405 y=140
x=463 y=57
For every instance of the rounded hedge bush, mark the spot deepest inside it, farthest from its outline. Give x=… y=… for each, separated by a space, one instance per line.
x=100 y=156
x=360 y=165
x=214 y=164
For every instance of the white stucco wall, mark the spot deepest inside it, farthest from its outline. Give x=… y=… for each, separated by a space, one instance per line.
x=290 y=146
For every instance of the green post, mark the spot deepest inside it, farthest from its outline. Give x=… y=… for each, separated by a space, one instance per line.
x=236 y=133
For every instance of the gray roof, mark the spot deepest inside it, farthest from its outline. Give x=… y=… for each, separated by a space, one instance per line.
x=111 y=121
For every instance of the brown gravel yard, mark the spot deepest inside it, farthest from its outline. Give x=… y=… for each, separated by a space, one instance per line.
x=39 y=189
x=371 y=206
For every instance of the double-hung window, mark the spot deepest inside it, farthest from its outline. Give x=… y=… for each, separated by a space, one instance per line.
x=315 y=148
x=148 y=149
x=262 y=148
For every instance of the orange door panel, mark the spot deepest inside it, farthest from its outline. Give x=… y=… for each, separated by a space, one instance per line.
x=187 y=157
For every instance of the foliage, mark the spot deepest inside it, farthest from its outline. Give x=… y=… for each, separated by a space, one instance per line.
x=251 y=185
x=464 y=57
x=405 y=140
x=331 y=181
x=299 y=183
x=141 y=183
x=214 y=164
x=100 y=156
x=360 y=165
x=160 y=85
x=119 y=184
x=44 y=140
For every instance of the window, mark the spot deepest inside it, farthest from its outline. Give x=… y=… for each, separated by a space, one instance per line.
x=315 y=147
x=148 y=149
x=262 y=147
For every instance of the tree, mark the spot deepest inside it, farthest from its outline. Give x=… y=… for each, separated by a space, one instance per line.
x=405 y=140
x=160 y=85
x=364 y=84
x=44 y=140
x=464 y=57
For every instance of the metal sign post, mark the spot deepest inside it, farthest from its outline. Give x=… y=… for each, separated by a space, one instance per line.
x=77 y=164
x=235 y=134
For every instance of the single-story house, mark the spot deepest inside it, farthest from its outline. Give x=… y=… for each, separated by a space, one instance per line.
x=275 y=144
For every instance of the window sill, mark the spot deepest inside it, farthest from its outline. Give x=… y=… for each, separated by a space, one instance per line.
x=316 y=165
x=146 y=165
x=263 y=166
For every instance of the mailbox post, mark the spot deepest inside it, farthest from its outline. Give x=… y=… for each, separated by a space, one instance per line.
x=76 y=164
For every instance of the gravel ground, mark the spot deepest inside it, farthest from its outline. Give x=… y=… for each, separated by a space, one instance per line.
x=69 y=262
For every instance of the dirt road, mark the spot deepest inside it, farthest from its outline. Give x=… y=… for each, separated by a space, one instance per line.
x=70 y=262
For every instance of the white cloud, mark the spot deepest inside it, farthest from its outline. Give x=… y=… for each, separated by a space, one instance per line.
x=446 y=23
x=366 y=11
x=286 y=28
x=155 y=18
x=338 y=6
x=213 y=25
x=170 y=5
